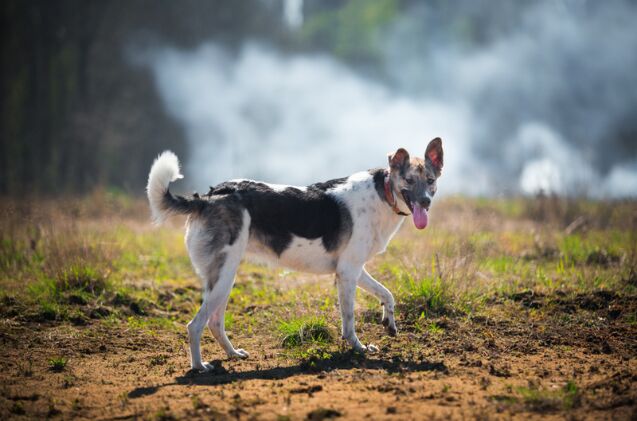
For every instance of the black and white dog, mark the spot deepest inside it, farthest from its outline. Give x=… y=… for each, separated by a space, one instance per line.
x=331 y=227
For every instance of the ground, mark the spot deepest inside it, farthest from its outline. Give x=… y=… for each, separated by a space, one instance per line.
x=509 y=308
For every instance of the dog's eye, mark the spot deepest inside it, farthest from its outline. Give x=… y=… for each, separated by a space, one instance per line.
x=409 y=180
x=431 y=181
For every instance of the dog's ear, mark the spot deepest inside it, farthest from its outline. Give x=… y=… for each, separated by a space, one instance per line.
x=434 y=153
x=399 y=160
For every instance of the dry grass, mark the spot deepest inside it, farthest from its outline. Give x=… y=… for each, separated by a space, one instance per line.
x=506 y=274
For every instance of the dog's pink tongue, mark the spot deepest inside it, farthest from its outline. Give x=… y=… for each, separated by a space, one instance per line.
x=420 y=215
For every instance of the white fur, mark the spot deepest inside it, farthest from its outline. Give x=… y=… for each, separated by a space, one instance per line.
x=302 y=254
x=375 y=223
x=165 y=170
x=275 y=187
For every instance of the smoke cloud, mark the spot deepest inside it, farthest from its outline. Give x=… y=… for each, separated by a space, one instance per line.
x=547 y=100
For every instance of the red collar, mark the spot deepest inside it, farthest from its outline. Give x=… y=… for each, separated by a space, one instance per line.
x=389 y=196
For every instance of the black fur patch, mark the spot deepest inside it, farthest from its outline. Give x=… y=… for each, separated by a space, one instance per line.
x=214 y=269
x=379 y=182
x=223 y=217
x=278 y=215
x=180 y=204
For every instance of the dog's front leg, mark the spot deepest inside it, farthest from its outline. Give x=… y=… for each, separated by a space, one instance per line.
x=346 y=278
x=371 y=285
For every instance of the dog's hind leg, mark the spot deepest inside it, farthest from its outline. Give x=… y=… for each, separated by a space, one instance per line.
x=221 y=291
x=217 y=273
x=216 y=324
x=371 y=285
x=213 y=308
x=195 y=328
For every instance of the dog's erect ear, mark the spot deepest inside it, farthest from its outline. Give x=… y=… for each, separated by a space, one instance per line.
x=399 y=159
x=434 y=153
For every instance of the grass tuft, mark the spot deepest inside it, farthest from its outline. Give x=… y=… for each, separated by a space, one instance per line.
x=82 y=278
x=428 y=296
x=543 y=400
x=300 y=331
x=57 y=364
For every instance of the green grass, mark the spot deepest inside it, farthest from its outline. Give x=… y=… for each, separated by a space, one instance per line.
x=305 y=330
x=57 y=363
x=428 y=295
x=100 y=261
x=542 y=400
x=434 y=329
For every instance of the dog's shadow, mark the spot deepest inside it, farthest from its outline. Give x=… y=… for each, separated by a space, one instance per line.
x=340 y=360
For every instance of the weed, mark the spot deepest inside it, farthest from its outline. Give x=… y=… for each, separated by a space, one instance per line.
x=17 y=408
x=428 y=296
x=68 y=381
x=312 y=357
x=82 y=277
x=197 y=403
x=304 y=330
x=50 y=311
x=123 y=399
x=57 y=363
x=543 y=400
x=164 y=414
x=157 y=360
x=434 y=329
x=52 y=410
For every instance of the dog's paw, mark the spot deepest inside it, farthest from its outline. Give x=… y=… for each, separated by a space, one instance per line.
x=390 y=327
x=372 y=349
x=239 y=354
x=366 y=349
x=203 y=368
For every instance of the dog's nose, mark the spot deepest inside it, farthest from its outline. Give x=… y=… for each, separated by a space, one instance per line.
x=425 y=202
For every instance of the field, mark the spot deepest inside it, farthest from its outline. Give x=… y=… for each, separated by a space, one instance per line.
x=523 y=308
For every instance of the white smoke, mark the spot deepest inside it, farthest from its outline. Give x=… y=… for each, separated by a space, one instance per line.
x=522 y=112
x=296 y=119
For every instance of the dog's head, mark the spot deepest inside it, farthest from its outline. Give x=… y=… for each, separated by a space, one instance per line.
x=414 y=179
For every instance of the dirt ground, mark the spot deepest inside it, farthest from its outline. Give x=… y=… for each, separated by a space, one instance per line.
x=532 y=326
x=468 y=372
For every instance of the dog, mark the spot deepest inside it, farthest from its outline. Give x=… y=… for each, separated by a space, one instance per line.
x=330 y=227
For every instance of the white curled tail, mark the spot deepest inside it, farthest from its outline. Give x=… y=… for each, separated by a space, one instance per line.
x=165 y=170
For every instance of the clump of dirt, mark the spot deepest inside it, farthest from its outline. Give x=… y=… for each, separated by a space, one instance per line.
x=529 y=299
x=322 y=414
x=602 y=257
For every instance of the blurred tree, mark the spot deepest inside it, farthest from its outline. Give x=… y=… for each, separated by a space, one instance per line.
x=351 y=30
x=75 y=112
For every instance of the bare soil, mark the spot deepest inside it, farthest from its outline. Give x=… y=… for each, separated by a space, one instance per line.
x=482 y=367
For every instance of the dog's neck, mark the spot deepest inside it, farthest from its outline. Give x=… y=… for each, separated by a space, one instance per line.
x=390 y=197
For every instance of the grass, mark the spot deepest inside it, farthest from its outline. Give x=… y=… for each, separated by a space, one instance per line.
x=158 y=360
x=480 y=267
x=300 y=331
x=57 y=363
x=98 y=260
x=544 y=400
x=429 y=295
